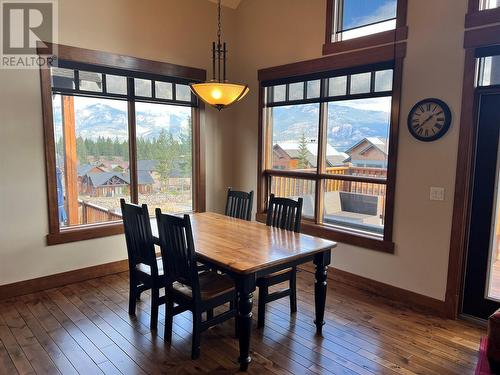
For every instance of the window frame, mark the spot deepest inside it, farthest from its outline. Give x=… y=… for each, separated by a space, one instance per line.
x=476 y=17
x=348 y=63
x=112 y=62
x=398 y=34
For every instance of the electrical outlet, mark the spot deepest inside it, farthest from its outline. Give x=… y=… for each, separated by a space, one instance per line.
x=437 y=194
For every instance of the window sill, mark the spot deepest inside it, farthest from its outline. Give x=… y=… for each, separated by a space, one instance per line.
x=84 y=233
x=373 y=40
x=482 y=17
x=329 y=233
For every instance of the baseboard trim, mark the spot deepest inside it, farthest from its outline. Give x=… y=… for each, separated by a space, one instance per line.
x=403 y=297
x=52 y=281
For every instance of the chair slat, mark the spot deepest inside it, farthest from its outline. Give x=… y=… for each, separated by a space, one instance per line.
x=239 y=204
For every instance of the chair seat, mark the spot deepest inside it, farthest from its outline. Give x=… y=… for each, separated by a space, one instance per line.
x=144 y=268
x=212 y=285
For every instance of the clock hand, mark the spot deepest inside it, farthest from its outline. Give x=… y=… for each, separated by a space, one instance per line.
x=427 y=119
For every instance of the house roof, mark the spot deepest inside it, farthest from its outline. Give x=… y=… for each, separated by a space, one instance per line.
x=85 y=168
x=333 y=156
x=99 y=179
x=379 y=143
x=146 y=165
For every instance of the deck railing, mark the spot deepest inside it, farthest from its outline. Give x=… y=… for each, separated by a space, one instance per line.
x=286 y=186
x=90 y=213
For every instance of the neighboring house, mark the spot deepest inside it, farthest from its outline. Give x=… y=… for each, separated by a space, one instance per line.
x=110 y=184
x=113 y=166
x=370 y=152
x=88 y=168
x=84 y=169
x=147 y=165
x=286 y=155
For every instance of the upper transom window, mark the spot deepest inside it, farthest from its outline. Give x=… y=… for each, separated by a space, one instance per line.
x=488 y=66
x=357 y=18
x=489 y=4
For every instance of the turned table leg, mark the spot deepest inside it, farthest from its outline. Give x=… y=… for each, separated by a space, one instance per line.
x=321 y=261
x=245 y=288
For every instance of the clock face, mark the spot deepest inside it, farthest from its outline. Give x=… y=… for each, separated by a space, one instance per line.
x=429 y=120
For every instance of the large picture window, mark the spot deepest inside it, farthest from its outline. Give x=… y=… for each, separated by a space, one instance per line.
x=329 y=137
x=117 y=133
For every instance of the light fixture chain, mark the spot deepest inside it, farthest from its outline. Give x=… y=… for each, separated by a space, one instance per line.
x=219 y=26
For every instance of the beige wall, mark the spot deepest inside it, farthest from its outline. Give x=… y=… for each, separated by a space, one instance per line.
x=176 y=31
x=282 y=31
x=260 y=33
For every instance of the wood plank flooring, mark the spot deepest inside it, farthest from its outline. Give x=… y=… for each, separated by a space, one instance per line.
x=84 y=328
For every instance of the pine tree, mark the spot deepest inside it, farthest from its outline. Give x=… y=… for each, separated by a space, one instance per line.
x=303 y=153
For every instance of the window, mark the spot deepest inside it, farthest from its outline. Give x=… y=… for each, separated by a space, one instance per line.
x=356 y=18
x=164 y=156
x=117 y=134
x=488 y=66
x=489 y=4
x=333 y=150
x=92 y=158
x=353 y=24
x=482 y=12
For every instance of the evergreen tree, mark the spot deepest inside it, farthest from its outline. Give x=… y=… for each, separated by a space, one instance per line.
x=81 y=151
x=166 y=150
x=303 y=153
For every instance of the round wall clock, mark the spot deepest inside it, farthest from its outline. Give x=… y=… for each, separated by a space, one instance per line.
x=429 y=119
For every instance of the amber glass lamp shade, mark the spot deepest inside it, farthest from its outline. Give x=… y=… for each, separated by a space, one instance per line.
x=219 y=94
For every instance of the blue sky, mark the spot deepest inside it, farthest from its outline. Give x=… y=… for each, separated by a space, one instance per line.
x=362 y=12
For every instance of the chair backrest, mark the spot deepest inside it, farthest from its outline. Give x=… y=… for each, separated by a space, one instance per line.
x=177 y=249
x=284 y=213
x=239 y=204
x=137 y=226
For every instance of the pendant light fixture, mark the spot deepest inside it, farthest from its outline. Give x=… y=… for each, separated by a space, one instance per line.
x=218 y=92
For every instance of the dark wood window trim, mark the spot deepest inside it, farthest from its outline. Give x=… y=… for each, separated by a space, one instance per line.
x=57 y=235
x=476 y=17
x=400 y=33
x=346 y=61
x=473 y=40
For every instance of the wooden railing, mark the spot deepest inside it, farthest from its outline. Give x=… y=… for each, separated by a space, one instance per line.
x=90 y=213
x=287 y=186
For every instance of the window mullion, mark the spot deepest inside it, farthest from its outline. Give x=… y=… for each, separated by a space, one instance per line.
x=132 y=143
x=321 y=163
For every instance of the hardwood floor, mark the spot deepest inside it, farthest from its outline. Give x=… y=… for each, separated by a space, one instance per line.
x=85 y=328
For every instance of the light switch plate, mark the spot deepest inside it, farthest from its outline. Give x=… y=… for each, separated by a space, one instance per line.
x=437 y=193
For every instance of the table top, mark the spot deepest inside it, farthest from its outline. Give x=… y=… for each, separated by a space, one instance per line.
x=246 y=246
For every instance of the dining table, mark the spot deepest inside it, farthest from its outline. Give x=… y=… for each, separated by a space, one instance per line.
x=248 y=250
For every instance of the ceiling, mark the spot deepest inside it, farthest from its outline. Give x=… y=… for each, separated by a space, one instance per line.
x=228 y=3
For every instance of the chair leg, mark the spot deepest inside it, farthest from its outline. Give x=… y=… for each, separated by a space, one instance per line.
x=263 y=292
x=195 y=349
x=210 y=314
x=293 y=292
x=155 y=303
x=169 y=318
x=234 y=305
x=132 y=299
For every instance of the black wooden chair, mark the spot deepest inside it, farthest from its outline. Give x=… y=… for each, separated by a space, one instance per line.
x=239 y=204
x=146 y=270
x=286 y=214
x=186 y=287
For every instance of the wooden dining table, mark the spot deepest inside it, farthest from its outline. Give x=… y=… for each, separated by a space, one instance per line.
x=248 y=250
